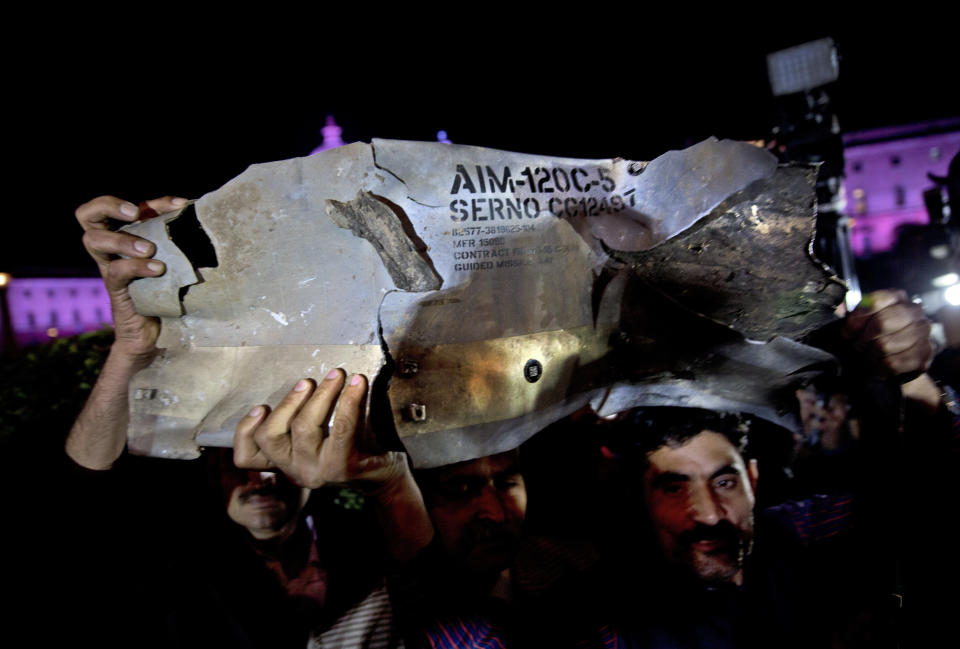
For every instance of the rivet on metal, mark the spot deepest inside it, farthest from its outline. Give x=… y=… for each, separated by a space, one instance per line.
x=415 y=412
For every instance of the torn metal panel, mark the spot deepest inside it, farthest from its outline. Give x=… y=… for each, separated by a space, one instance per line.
x=484 y=274
x=517 y=239
x=161 y=295
x=293 y=294
x=667 y=355
x=742 y=265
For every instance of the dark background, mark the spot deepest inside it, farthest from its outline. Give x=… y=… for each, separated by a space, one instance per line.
x=132 y=114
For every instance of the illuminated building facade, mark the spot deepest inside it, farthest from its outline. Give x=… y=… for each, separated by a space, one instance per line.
x=44 y=308
x=886 y=176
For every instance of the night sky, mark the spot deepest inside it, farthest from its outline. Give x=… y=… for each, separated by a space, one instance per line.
x=107 y=120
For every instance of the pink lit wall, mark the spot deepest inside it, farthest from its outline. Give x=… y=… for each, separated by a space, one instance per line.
x=885 y=180
x=45 y=308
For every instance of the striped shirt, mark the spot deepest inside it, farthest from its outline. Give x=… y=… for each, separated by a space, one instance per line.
x=368 y=625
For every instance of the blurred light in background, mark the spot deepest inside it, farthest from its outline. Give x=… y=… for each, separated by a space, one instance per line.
x=952 y=295
x=948 y=279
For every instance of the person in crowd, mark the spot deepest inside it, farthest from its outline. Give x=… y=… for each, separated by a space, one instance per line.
x=824 y=449
x=466 y=573
x=716 y=570
x=823 y=415
x=217 y=556
x=416 y=512
x=712 y=571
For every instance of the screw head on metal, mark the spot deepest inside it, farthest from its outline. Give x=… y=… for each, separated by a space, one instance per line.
x=533 y=370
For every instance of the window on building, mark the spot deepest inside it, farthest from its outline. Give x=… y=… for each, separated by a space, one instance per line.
x=899 y=196
x=76 y=316
x=934 y=153
x=54 y=318
x=51 y=293
x=27 y=293
x=858 y=166
x=859 y=201
x=31 y=319
x=895 y=161
x=73 y=292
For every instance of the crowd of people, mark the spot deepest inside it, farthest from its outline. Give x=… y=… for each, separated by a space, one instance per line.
x=660 y=527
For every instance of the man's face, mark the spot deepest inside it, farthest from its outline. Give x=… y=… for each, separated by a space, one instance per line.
x=265 y=503
x=700 y=498
x=477 y=508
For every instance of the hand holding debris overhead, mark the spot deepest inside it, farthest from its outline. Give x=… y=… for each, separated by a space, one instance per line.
x=316 y=447
x=891 y=332
x=99 y=434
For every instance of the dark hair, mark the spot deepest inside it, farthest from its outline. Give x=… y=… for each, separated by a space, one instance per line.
x=643 y=430
x=429 y=479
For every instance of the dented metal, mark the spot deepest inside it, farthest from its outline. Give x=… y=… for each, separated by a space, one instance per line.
x=499 y=286
x=370 y=218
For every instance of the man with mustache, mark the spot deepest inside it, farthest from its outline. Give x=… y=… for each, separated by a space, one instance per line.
x=699 y=493
x=462 y=583
x=265 y=504
x=713 y=569
x=719 y=571
x=466 y=573
x=478 y=509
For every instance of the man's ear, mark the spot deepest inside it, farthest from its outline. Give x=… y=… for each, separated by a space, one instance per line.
x=753 y=473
